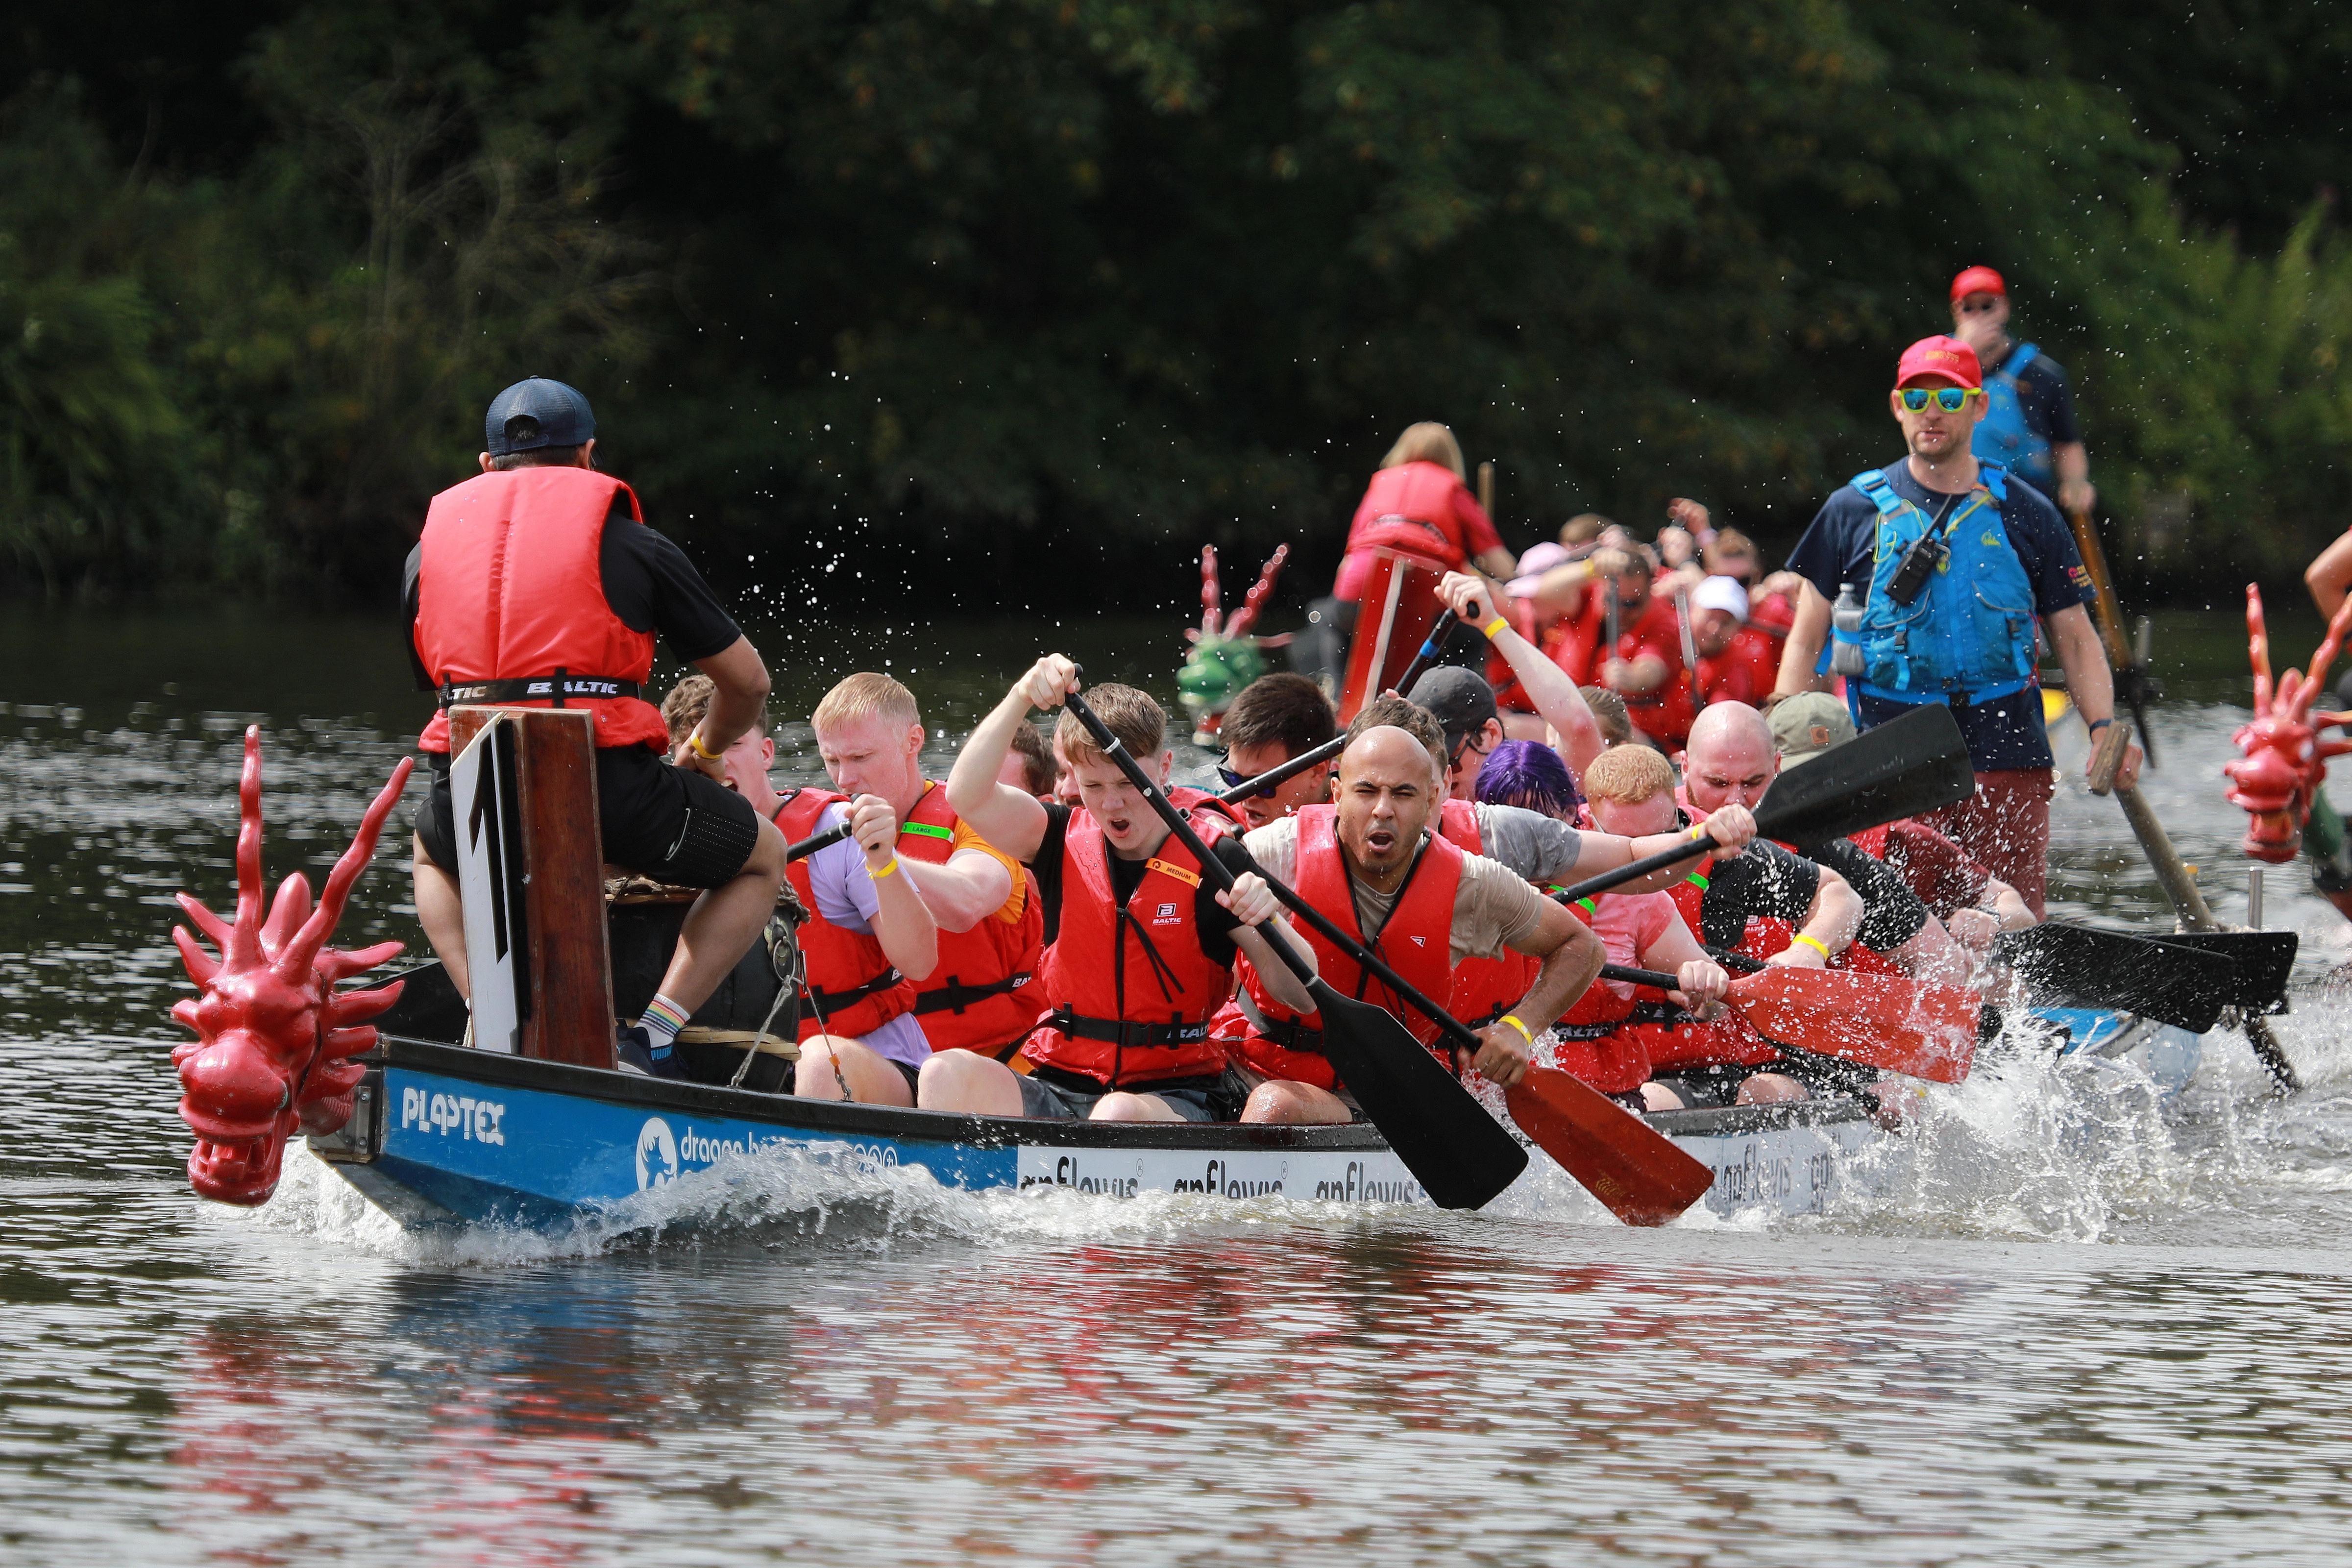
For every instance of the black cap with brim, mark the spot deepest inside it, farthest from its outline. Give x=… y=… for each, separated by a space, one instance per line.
x=537 y=413
x=1459 y=699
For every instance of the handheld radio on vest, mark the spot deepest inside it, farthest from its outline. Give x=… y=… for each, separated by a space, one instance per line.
x=1919 y=562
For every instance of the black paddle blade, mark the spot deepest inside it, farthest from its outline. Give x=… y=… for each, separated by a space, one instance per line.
x=1900 y=769
x=2260 y=963
x=1461 y=1156
x=2094 y=968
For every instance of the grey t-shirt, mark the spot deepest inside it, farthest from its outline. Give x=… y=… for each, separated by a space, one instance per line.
x=1539 y=849
x=1494 y=908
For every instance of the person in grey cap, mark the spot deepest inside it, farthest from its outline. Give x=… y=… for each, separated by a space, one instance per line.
x=536 y=585
x=1462 y=704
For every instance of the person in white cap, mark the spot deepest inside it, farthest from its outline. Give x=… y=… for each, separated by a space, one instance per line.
x=1737 y=662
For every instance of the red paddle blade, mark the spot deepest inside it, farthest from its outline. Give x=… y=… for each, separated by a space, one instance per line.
x=1619 y=1159
x=1879 y=1020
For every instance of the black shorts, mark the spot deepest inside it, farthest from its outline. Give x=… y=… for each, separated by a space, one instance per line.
x=1050 y=1095
x=671 y=823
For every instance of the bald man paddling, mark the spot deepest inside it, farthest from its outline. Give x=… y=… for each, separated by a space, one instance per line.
x=1371 y=864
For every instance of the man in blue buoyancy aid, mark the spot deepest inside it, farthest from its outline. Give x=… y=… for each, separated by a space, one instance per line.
x=1950 y=561
x=2029 y=427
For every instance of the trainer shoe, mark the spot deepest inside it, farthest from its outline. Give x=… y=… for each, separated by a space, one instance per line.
x=638 y=1055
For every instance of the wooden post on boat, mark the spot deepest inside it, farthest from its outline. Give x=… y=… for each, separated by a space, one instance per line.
x=2180 y=887
x=531 y=868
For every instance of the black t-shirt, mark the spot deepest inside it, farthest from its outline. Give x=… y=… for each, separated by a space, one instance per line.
x=2045 y=399
x=1213 y=921
x=1763 y=881
x=648 y=581
x=1769 y=882
x=1892 y=913
x=2006 y=732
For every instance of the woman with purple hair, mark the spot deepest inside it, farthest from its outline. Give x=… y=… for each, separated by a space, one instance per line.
x=1530 y=775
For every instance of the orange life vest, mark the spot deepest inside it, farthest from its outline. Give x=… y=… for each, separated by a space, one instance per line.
x=855 y=989
x=511 y=588
x=1416 y=943
x=984 y=994
x=1129 y=990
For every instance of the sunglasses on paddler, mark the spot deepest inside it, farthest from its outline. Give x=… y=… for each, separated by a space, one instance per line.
x=1234 y=781
x=1950 y=399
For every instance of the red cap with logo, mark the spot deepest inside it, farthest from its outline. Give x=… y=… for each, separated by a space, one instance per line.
x=1944 y=359
x=1978 y=280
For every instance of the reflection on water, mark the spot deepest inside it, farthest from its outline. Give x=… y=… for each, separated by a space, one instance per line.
x=2070 y=1320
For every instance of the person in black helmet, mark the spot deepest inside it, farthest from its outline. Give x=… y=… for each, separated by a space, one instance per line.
x=537 y=573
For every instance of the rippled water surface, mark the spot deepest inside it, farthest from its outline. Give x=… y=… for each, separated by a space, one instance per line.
x=2067 y=1320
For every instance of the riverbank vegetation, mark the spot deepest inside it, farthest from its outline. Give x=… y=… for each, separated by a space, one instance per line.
x=941 y=290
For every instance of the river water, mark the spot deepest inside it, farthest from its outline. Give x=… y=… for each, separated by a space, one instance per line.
x=2072 y=1322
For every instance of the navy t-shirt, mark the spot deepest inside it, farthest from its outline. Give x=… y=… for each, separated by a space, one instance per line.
x=2045 y=399
x=2005 y=733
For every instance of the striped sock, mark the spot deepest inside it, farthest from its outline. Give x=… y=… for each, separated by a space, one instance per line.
x=661 y=1021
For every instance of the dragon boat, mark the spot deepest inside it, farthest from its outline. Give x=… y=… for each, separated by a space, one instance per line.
x=513 y=1111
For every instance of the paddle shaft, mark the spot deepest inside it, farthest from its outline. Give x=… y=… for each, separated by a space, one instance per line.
x=816 y=841
x=1283 y=772
x=1642 y=867
x=2130 y=676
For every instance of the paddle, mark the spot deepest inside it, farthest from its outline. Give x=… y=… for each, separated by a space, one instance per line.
x=1283 y=772
x=2260 y=963
x=1901 y=768
x=1879 y=1020
x=1461 y=1156
x=1619 y=1159
x=816 y=841
x=2173 y=984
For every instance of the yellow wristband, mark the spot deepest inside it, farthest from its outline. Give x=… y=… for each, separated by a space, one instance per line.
x=1513 y=1020
x=705 y=752
x=1499 y=622
x=891 y=869
x=1698 y=833
x=1816 y=943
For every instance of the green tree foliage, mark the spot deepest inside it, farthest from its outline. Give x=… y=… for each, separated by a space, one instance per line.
x=952 y=282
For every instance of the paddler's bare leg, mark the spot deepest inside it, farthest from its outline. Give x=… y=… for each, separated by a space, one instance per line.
x=1292 y=1103
x=828 y=1061
x=1125 y=1107
x=442 y=912
x=968 y=1082
x=723 y=923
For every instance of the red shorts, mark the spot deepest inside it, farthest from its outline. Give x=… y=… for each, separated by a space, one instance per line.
x=2005 y=826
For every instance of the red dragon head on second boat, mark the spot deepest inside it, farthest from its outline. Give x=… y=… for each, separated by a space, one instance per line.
x=274 y=1039
x=2284 y=761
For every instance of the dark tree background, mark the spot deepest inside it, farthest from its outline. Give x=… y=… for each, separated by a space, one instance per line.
x=998 y=300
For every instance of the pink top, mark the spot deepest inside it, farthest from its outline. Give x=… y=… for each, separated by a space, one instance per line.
x=1628 y=924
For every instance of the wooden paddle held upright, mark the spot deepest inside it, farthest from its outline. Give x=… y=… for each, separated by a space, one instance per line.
x=531 y=869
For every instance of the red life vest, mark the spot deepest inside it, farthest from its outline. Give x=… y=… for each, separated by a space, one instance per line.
x=984 y=992
x=857 y=989
x=1871 y=841
x=1129 y=989
x=1416 y=943
x=1483 y=988
x=510 y=587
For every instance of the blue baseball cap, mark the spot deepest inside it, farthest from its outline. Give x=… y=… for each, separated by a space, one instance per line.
x=537 y=413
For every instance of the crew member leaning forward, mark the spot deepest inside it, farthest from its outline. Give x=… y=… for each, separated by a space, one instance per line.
x=1142 y=945
x=536 y=582
x=1487 y=975
x=1959 y=629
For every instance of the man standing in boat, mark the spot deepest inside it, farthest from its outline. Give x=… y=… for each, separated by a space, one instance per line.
x=1142 y=945
x=2029 y=426
x=540 y=570
x=1947 y=565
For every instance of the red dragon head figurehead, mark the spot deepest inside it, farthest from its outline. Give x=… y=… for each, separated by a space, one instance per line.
x=2285 y=759
x=274 y=1039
